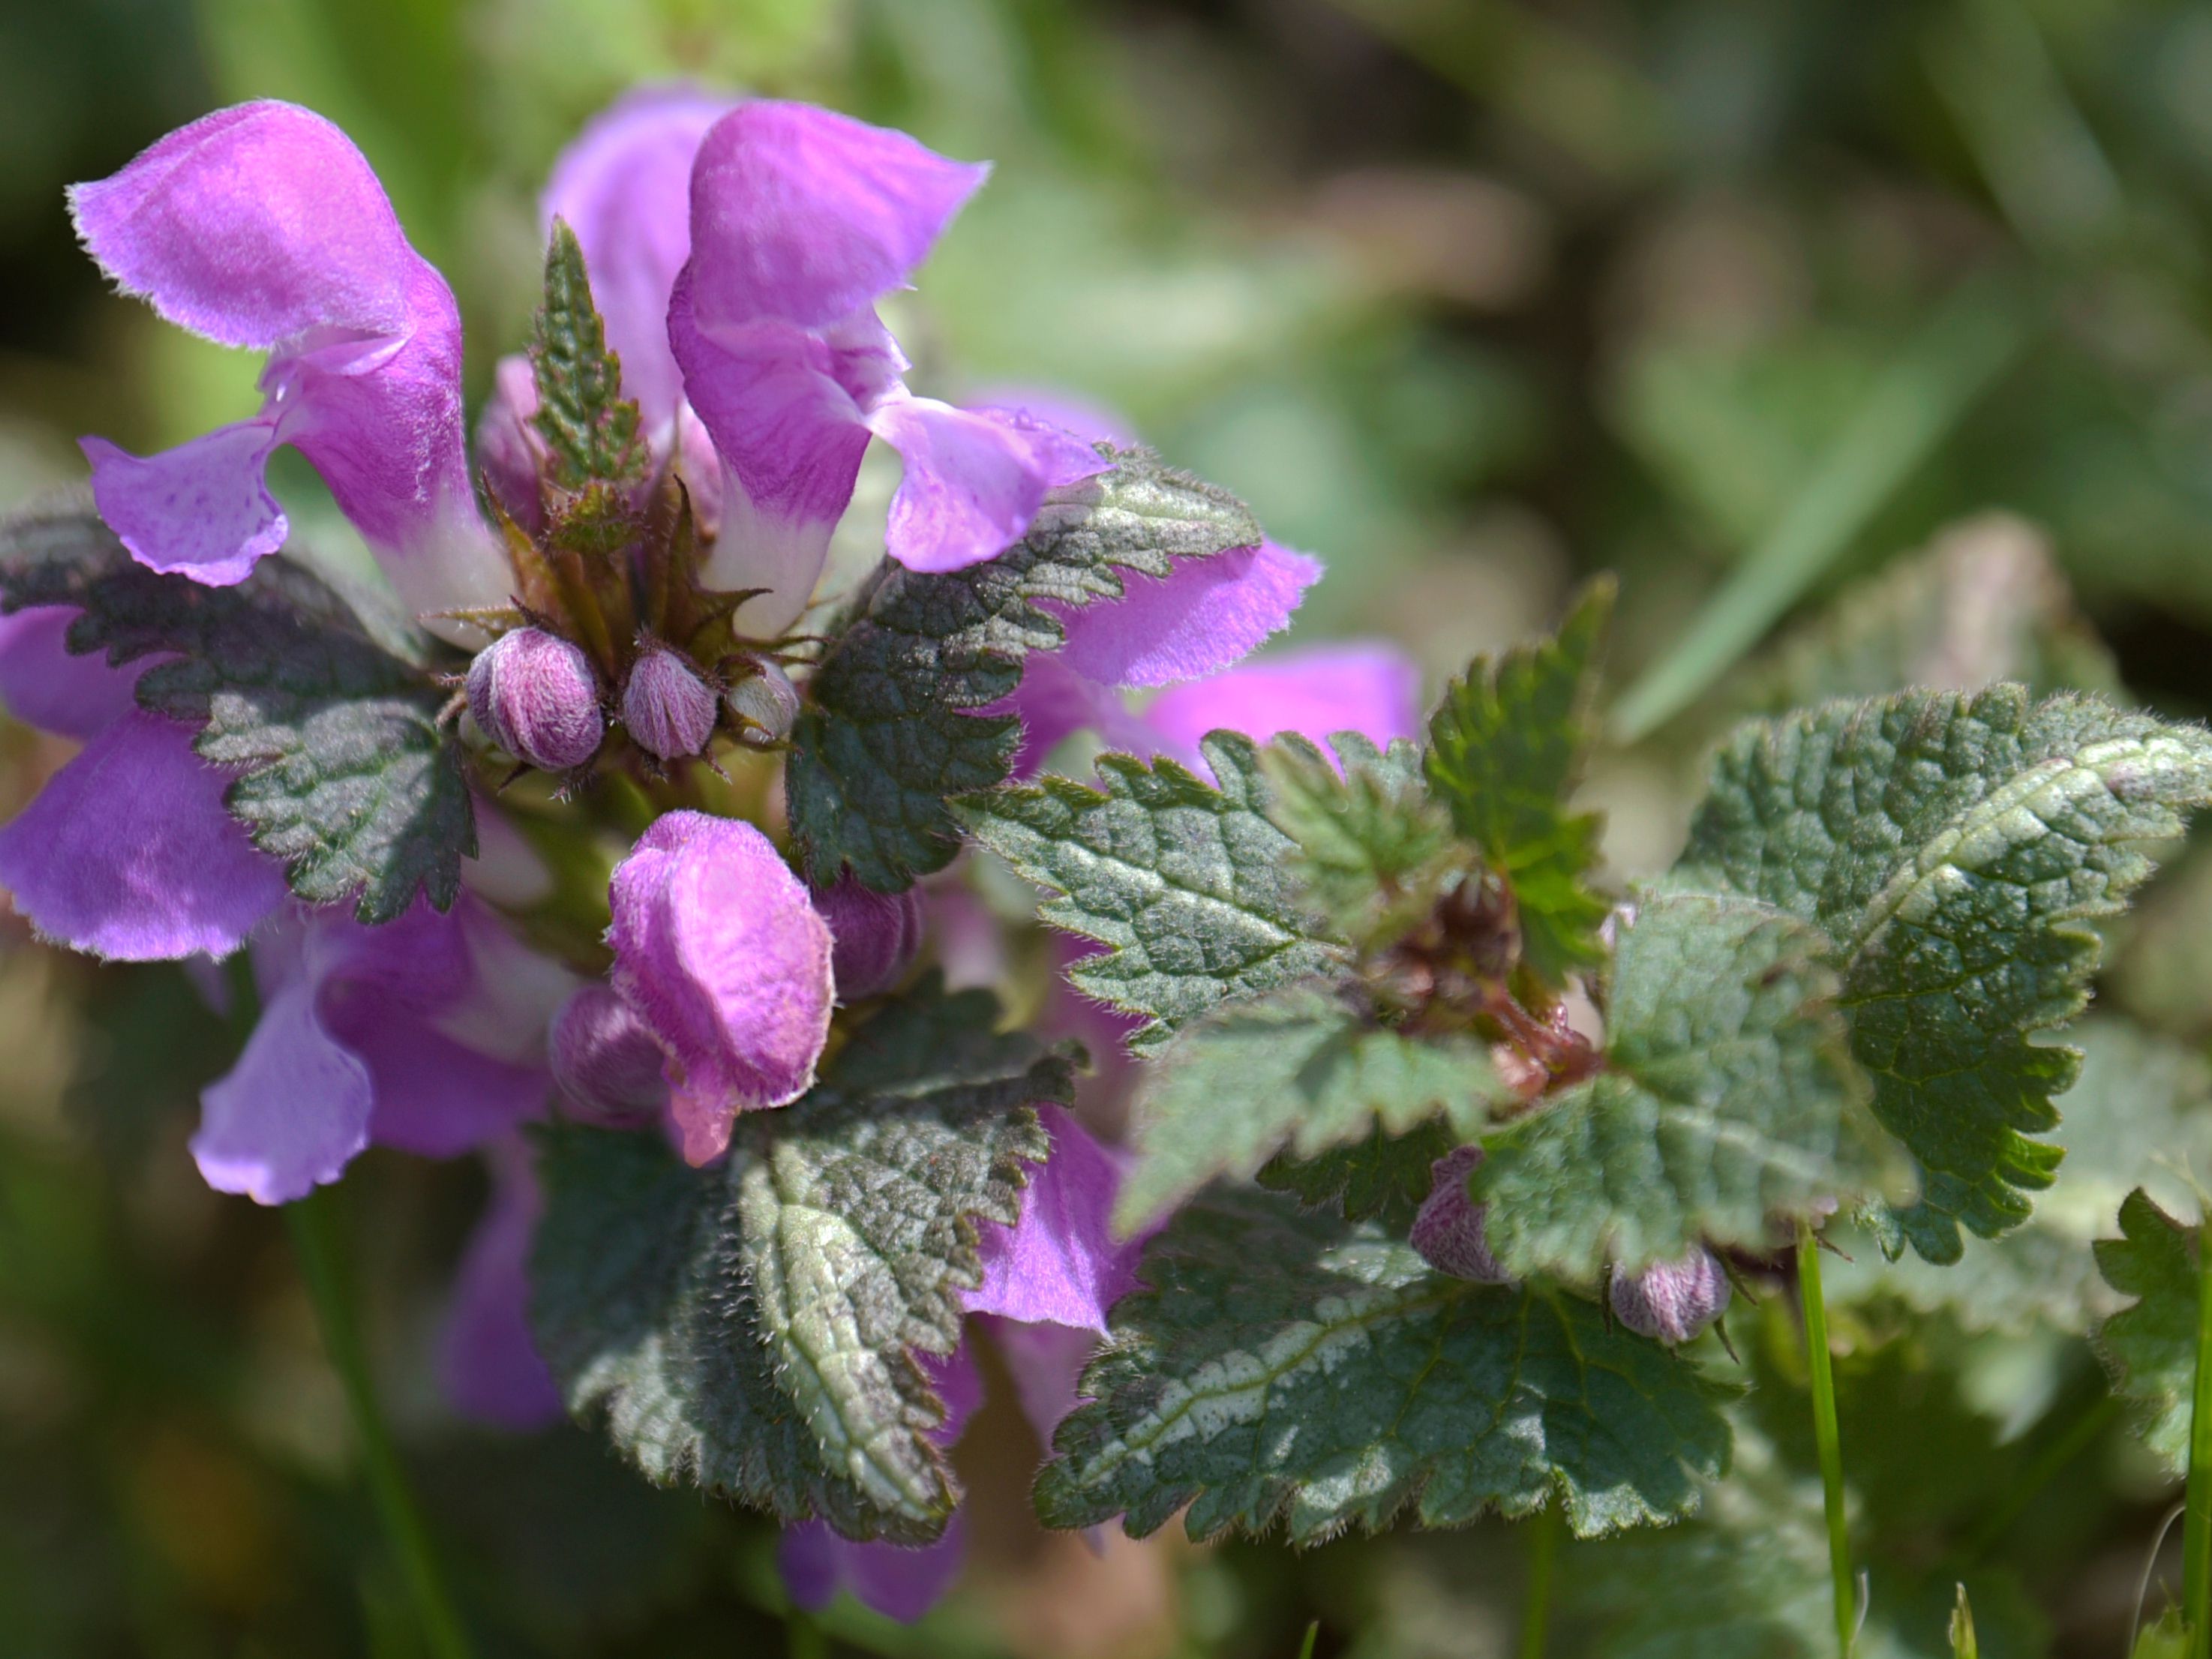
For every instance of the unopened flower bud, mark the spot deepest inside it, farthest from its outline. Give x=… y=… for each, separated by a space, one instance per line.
x=765 y=703
x=874 y=937
x=1448 y=1229
x=535 y=695
x=669 y=709
x=1672 y=1301
x=605 y=1058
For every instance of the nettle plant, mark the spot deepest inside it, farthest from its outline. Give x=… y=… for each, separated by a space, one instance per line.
x=599 y=839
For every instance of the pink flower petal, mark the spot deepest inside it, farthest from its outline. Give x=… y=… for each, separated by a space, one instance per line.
x=1060 y=1262
x=129 y=852
x=1372 y=689
x=899 y=1581
x=203 y=507
x=290 y=1115
x=802 y=213
x=487 y=1359
x=974 y=480
x=46 y=684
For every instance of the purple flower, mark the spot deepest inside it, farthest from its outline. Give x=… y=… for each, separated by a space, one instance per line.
x=719 y=951
x=261 y=226
x=535 y=695
x=875 y=936
x=801 y=219
x=488 y=1361
x=1672 y=1302
x=669 y=709
x=128 y=852
x=426 y=1034
x=1447 y=1231
x=605 y=1058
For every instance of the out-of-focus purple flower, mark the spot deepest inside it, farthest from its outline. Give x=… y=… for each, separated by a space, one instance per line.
x=128 y=852
x=718 y=951
x=1448 y=1229
x=426 y=1034
x=604 y=1058
x=1672 y=1301
x=487 y=1360
x=261 y=226
x=1372 y=689
x=668 y=709
x=801 y=219
x=535 y=695
x=875 y=936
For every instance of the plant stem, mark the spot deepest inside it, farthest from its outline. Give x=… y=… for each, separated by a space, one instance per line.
x=1826 y=1437
x=1543 y=1556
x=2197 y=1517
x=315 y=1240
x=1313 y=1637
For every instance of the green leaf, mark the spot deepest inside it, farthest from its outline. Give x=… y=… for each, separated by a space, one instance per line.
x=1370 y=851
x=2141 y=1113
x=1189 y=885
x=2150 y=1347
x=892 y=732
x=753 y=1329
x=1953 y=847
x=1984 y=603
x=345 y=774
x=1299 y=1069
x=590 y=428
x=1287 y=1367
x=1728 y=1100
x=1506 y=749
x=1383 y=1177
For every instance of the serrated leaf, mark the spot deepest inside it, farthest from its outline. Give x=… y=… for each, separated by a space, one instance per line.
x=1286 y=1366
x=1186 y=884
x=590 y=428
x=1371 y=851
x=1953 y=847
x=346 y=776
x=892 y=730
x=1984 y=603
x=2140 y=1115
x=1383 y=1177
x=1299 y=1070
x=1728 y=1100
x=752 y=1328
x=2150 y=1347
x=1506 y=748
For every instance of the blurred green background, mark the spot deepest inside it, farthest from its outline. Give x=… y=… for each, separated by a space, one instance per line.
x=1470 y=296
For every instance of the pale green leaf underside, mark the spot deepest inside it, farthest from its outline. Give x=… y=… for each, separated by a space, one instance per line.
x=1186 y=884
x=1289 y=1367
x=1729 y=1101
x=1953 y=847
x=1296 y=1071
x=2150 y=1347
x=1370 y=851
x=891 y=731
x=752 y=1330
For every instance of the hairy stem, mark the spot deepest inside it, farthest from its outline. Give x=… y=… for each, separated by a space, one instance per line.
x=1826 y=1437
x=2196 y=1516
x=316 y=1242
x=1543 y=1556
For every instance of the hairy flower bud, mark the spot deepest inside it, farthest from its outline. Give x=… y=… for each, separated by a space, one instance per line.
x=1672 y=1301
x=1447 y=1231
x=535 y=695
x=874 y=937
x=765 y=703
x=604 y=1058
x=669 y=709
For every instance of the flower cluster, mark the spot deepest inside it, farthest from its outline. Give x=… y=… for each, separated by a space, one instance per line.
x=624 y=561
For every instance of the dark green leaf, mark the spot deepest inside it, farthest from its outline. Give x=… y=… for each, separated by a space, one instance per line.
x=590 y=428
x=2150 y=1347
x=891 y=731
x=345 y=774
x=1299 y=1070
x=1383 y=1177
x=1953 y=847
x=754 y=1328
x=1506 y=749
x=1728 y=1100
x=1286 y=1366
x=1189 y=885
